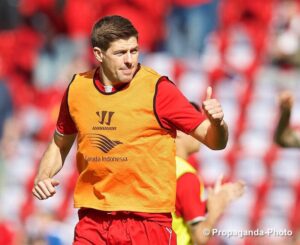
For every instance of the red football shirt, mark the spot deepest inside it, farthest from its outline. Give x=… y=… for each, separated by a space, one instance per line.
x=173 y=110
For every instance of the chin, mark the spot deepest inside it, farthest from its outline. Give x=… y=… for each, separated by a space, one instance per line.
x=126 y=79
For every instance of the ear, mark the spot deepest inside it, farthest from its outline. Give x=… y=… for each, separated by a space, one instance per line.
x=98 y=54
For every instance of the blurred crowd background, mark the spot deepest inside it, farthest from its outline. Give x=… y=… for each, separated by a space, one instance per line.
x=247 y=50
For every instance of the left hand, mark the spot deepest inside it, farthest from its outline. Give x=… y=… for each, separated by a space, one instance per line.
x=212 y=108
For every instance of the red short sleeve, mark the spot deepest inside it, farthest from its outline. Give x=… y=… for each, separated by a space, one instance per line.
x=188 y=201
x=65 y=123
x=173 y=110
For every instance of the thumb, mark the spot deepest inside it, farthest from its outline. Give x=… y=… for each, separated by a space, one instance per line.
x=218 y=184
x=54 y=182
x=208 y=93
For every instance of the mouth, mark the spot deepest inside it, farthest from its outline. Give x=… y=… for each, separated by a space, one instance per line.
x=126 y=71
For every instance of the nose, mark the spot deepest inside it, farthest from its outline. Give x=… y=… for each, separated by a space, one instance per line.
x=128 y=58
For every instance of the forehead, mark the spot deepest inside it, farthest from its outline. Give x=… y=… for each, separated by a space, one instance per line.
x=124 y=44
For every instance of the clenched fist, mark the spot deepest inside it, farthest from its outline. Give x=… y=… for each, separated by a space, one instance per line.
x=44 y=189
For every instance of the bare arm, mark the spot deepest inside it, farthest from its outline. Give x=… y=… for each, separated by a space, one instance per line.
x=51 y=163
x=213 y=136
x=213 y=132
x=218 y=200
x=285 y=136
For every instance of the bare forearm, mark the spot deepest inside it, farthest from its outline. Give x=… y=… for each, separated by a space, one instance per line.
x=213 y=136
x=55 y=155
x=200 y=234
x=217 y=136
x=51 y=162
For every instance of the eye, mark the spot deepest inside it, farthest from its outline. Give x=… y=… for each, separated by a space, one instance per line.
x=120 y=53
x=134 y=51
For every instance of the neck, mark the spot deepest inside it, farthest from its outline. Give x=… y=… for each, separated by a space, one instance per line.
x=104 y=79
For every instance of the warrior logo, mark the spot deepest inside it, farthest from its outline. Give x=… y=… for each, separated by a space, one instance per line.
x=102 y=117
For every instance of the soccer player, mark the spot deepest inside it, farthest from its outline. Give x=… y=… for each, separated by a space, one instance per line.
x=285 y=135
x=125 y=118
x=194 y=217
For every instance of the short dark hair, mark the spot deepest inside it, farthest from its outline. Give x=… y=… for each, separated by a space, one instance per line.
x=111 y=28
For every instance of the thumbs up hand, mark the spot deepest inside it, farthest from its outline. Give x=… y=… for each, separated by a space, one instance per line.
x=212 y=108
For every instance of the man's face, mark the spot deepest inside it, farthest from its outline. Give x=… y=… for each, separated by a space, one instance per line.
x=120 y=60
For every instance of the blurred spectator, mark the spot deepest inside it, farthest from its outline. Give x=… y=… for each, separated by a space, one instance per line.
x=39 y=11
x=148 y=17
x=80 y=15
x=243 y=32
x=55 y=60
x=253 y=16
x=285 y=45
x=9 y=16
x=189 y=22
x=6 y=107
x=43 y=228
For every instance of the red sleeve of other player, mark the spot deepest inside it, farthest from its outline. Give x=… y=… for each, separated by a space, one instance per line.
x=188 y=201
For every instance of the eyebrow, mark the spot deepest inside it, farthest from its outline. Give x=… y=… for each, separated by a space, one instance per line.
x=122 y=50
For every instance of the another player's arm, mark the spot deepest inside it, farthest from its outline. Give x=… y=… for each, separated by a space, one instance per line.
x=218 y=200
x=284 y=135
x=201 y=231
x=213 y=132
x=50 y=164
